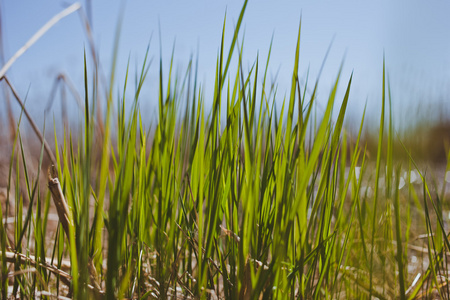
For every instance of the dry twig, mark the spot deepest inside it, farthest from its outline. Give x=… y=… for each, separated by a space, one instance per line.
x=58 y=198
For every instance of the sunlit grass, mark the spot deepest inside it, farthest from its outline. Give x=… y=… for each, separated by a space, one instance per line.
x=266 y=203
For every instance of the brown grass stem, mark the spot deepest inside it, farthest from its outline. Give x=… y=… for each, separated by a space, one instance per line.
x=58 y=198
x=13 y=257
x=33 y=125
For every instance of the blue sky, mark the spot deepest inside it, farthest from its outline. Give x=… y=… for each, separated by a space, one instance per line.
x=412 y=34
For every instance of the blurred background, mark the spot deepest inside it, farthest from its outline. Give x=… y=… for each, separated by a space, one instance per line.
x=413 y=36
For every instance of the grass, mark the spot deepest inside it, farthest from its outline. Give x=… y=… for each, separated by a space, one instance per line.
x=262 y=204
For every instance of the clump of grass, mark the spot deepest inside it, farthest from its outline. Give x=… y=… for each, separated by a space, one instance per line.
x=250 y=207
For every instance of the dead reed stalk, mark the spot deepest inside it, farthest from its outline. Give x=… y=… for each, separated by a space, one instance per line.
x=58 y=198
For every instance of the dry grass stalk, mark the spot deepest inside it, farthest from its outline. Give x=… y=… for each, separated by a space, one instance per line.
x=12 y=257
x=33 y=125
x=74 y=7
x=58 y=198
x=66 y=278
x=60 y=80
x=89 y=34
x=11 y=121
x=69 y=10
x=65 y=219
